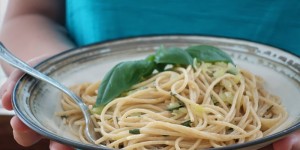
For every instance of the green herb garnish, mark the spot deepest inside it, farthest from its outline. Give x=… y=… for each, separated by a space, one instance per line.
x=135 y=131
x=173 y=55
x=207 y=53
x=126 y=74
x=121 y=78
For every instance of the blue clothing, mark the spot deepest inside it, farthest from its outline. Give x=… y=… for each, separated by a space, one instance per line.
x=273 y=22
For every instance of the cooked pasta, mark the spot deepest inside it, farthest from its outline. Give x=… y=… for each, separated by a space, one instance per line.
x=197 y=107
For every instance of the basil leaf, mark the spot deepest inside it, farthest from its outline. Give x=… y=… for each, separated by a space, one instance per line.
x=173 y=56
x=208 y=53
x=121 y=78
x=124 y=75
x=161 y=67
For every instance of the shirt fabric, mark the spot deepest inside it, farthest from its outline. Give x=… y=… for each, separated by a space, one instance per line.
x=272 y=22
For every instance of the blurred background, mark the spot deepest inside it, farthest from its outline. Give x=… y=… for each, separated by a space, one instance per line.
x=7 y=141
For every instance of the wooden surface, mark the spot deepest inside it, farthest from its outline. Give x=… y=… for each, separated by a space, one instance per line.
x=7 y=141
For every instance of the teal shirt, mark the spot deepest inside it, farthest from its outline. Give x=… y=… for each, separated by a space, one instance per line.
x=272 y=22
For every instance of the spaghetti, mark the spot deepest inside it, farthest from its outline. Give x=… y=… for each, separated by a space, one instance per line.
x=208 y=105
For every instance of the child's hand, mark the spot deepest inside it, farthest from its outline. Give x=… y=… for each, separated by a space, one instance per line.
x=23 y=134
x=27 y=137
x=7 y=88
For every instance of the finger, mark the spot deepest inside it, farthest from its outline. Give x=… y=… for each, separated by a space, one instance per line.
x=57 y=146
x=8 y=87
x=6 y=97
x=22 y=134
x=3 y=88
x=26 y=138
x=291 y=142
x=14 y=76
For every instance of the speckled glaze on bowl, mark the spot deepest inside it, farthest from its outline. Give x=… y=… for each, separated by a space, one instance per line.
x=36 y=102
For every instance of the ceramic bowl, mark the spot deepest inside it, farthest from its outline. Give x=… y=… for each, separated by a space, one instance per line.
x=36 y=102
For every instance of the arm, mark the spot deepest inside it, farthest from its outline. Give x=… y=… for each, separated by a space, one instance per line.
x=33 y=28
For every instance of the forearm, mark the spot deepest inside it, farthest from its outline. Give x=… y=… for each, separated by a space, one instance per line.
x=32 y=35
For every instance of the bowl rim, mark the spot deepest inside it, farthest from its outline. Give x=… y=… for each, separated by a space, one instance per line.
x=50 y=135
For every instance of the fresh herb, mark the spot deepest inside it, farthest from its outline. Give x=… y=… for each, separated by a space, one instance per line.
x=97 y=109
x=134 y=131
x=207 y=53
x=160 y=67
x=121 y=78
x=187 y=123
x=173 y=55
x=126 y=74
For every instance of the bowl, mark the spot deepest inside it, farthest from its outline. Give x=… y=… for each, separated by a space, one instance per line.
x=36 y=102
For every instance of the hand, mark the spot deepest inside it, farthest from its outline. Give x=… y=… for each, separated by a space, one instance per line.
x=291 y=142
x=27 y=137
x=23 y=134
